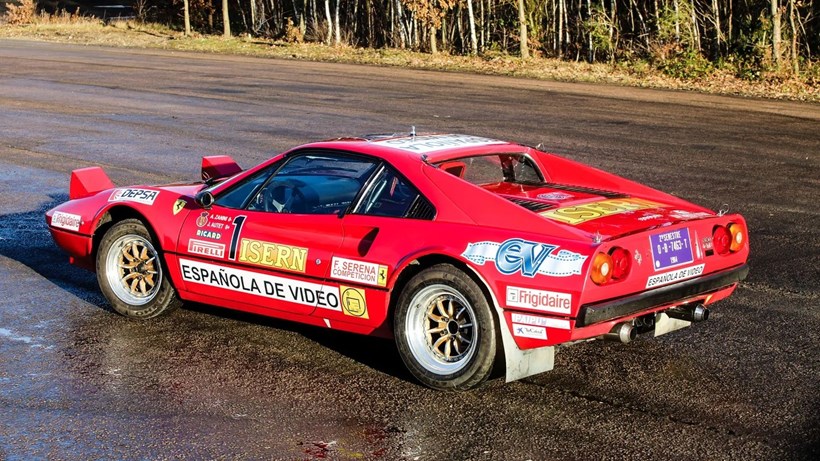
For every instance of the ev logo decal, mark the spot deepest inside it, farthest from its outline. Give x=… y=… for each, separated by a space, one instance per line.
x=528 y=258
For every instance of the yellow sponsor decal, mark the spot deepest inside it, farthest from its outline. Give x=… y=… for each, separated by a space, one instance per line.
x=178 y=206
x=589 y=211
x=273 y=255
x=353 y=302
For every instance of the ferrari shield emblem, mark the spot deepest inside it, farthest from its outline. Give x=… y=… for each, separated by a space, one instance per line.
x=178 y=206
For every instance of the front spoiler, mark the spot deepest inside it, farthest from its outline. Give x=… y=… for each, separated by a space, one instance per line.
x=600 y=312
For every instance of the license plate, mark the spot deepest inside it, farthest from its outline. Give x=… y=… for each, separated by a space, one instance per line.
x=671 y=248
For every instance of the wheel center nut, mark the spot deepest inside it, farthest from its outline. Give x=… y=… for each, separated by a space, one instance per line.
x=452 y=327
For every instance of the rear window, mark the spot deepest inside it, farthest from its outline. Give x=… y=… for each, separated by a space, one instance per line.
x=494 y=169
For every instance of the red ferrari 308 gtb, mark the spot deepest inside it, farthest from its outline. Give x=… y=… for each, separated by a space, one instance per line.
x=468 y=251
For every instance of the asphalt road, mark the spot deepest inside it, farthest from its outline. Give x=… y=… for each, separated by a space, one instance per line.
x=79 y=382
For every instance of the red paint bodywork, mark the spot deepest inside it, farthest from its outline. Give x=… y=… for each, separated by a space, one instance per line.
x=465 y=214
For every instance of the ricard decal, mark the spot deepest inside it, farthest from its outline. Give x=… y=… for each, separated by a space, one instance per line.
x=144 y=196
x=66 y=221
x=267 y=286
x=358 y=271
x=526 y=258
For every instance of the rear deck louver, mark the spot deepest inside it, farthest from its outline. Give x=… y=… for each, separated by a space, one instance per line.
x=532 y=205
x=421 y=209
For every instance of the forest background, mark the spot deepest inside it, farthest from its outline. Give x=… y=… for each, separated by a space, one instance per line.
x=751 y=40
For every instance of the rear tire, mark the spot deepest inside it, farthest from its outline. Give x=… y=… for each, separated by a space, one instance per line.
x=444 y=328
x=130 y=272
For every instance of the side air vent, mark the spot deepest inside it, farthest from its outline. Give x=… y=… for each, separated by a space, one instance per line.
x=421 y=209
x=587 y=190
x=532 y=205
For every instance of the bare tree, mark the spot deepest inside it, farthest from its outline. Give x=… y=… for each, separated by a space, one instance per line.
x=226 y=19
x=522 y=30
x=187 y=18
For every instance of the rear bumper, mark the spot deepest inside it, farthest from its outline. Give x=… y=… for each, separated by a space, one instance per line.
x=590 y=314
x=78 y=246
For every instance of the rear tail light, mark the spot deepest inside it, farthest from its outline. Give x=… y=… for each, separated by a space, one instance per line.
x=729 y=239
x=721 y=240
x=611 y=267
x=738 y=234
x=601 y=268
x=621 y=263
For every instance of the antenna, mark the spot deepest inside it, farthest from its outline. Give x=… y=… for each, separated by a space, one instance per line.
x=413 y=131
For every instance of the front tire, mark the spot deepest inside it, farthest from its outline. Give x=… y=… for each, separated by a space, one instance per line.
x=444 y=328
x=130 y=272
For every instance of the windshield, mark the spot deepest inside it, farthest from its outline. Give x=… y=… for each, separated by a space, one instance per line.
x=494 y=169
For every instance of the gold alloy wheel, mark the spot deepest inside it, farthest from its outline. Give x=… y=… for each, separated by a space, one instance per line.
x=133 y=271
x=441 y=330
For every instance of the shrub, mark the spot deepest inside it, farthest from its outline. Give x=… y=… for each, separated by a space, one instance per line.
x=23 y=13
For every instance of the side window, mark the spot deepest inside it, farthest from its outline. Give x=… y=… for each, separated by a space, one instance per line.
x=238 y=195
x=388 y=195
x=314 y=184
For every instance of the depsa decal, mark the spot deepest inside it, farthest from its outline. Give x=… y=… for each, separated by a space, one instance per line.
x=526 y=257
x=269 y=286
x=144 y=196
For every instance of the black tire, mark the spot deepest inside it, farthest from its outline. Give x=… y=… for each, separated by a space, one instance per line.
x=432 y=301
x=131 y=274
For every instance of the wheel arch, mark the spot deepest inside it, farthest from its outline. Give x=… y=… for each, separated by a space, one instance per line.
x=515 y=363
x=422 y=262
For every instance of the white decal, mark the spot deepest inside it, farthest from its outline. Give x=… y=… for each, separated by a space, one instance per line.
x=201 y=247
x=674 y=276
x=432 y=143
x=525 y=257
x=555 y=196
x=144 y=196
x=268 y=286
x=541 y=300
x=683 y=214
x=66 y=220
x=647 y=217
x=540 y=321
x=529 y=331
x=359 y=271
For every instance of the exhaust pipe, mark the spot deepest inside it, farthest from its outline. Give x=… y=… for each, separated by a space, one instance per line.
x=696 y=313
x=622 y=332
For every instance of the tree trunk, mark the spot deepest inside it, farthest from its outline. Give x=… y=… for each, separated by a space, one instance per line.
x=473 y=39
x=776 y=33
x=795 y=64
x=329 y=19
x=522 y=21
x=338 y=38
x=187 y=19
x=226 y=19
x=253 y=15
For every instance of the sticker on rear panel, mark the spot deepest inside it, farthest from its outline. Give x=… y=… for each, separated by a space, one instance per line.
x=674 y=276
x=66 y=221
x=670 y=249
x=529 y=331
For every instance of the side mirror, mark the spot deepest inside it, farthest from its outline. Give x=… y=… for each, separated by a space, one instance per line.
x=204 y=199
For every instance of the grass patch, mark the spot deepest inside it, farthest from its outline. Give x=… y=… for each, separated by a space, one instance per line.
x=716 y=80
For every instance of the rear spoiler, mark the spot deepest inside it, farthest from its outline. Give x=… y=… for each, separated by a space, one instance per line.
x=218 y=167
x=88 y=181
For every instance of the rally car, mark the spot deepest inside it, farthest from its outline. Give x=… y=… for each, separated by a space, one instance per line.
x=474 y=254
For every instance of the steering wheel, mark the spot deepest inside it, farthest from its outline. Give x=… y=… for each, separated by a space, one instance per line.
x=280 y=197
